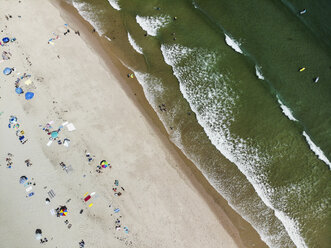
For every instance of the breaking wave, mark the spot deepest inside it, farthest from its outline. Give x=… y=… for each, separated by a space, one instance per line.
x=135 y=46
x=234 y=44
x=287 y=111
x=319 y=153
x=114 y=4
x=258 y=72
x=216 y=122
x=152 y=24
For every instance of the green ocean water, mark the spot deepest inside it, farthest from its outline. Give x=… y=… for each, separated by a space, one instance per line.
x=227 y=74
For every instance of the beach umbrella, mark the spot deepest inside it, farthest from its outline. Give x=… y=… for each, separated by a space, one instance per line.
x=23 y=179
x=54 y=134
x=29 y=95
x=7 y=71
x=5 y=40
x=63 y=211
x=104 y=164
x=19 y=90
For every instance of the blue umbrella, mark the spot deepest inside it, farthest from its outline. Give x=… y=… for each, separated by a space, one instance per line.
x=23 y=179
x=29 y=95
x=19 y=90
x=5 y=40
x=7 y=71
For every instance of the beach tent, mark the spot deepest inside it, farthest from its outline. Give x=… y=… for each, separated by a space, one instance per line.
x=23 y=179
x=13 y=119
x=7 y=71
x=5 y=40
x=19 y=90
x=38 y=234
x=29 y=95
x=54 y=134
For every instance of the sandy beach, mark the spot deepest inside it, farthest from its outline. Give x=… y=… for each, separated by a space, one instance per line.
x=142 y=198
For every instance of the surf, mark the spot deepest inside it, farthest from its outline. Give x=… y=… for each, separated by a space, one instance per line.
x=152 y=24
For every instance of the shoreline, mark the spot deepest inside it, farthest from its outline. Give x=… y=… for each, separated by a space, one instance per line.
x=227 y=217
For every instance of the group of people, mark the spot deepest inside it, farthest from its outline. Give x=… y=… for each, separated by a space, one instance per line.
x=9 y=160
x=20 y=133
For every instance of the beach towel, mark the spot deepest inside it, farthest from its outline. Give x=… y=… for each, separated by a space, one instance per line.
x=28 y=82
x=71 y=127
x=87 y=198
x=31 y=194
x=28 y=189
x=49 y=142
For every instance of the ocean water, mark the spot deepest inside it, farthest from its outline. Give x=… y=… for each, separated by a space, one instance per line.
x=227 y=73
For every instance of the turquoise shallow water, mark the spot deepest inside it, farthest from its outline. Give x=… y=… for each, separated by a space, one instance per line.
x=236 y=104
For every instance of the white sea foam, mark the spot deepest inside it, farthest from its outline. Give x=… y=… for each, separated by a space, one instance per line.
x=232 y=43
x=134 y=44
x=287 y=111
x=84 y=9
x=115 y=4
x=152 y=24
x=216 y=122
x=319 y=153
x=258 y=72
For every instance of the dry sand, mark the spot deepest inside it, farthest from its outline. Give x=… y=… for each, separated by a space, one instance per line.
x=160 y=205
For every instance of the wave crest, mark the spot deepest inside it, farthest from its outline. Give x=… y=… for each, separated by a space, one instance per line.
x=135 y=46
x=258 y=72
x=114 y=4
x=152 y=24
x=287 y=111
x=319 y=153
x=233 y=43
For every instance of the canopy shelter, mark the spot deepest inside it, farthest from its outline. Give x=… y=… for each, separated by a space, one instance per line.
x=38 y=234
x=13 y=119
x=7 y=71
x=23 y=179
